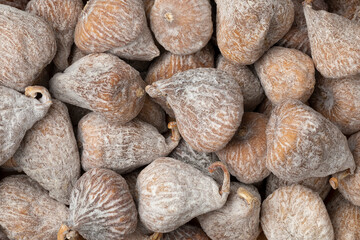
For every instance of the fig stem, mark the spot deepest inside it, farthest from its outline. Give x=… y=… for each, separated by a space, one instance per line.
x=175 y=135
x=153 y=91
x=156 y=236
x=225 y=188
x=246 y=195
x=32 y=91
x=334 y=181
x=169 y=17
x=65 y=233
x=140 y=92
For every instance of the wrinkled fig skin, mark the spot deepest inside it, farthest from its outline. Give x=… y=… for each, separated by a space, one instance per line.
x=335 y=43
x=183 y=152
x=319 y=185
x=51 y=144
x=29 y=51
x=349 y=185
x=102 y=83
x=18 y=113
x=245 y=154
x=101 y=206
x=207 y=103
x=171 y=193
x=291 y=212
x=27 y=211
x=153 y=114
x=345 y=218
x=121 y=148
x=186 y=231
x=62 y=15
x=301 y=143
x=237 y=219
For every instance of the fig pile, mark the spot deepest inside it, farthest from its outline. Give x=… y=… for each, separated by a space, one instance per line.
x=180 y=119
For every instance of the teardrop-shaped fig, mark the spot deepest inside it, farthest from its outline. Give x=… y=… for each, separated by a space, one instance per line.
x=251 y=88
x=245 y=154
x=171 y=193
x=121 y=147
x=186 y=231
x=181 y=27
x=335 y=43
x=27 y=211
x=301 y=143
x=101 y=206
x=238 y=219
x=319 y=185
x=102 y=83
x=25 y=49
x=246 y=29
x=291 y=212
x=18 y=113
x=338 y=100
x=207 y=103
x=49 y=153
x=286 y=73
x=116 y=26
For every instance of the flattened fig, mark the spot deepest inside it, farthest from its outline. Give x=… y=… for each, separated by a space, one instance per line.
x=18 y=113
x=49 y=153
x=25 y=49
x=102 y=83
x=121 y=147
x=301 y=143
x=171 y=193
x=186 y=231
x=27 y=211
x=238 y=219
x=208 y=106
x=101 y=206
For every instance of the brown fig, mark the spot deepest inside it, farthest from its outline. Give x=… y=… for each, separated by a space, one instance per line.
x=265 y=107
x=186 y=231
x=102 y=83
x=319 y=185
x=207 y=103
x=247 y=29
x=18 y=114
x=291 y=212
x=339 y=101
x=153 y=114
x=27 y=211
x=245 y=154
x=101 y=206
x=346 y=8
x=171 y=193
x=301 y=143
x=115 y=26
x=286 y=73
x=334 y=41
x=51 y=144
x=121 y=147
x=25 y=49
x=238 y=219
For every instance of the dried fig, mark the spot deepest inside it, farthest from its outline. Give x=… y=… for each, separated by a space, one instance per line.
x=181 y=27
x=334 y=41
x=62 y=15
x=18 y=114
x=319 y=185
x=20 y=4
x=291 y=212
x=27 y=211
x=247 y=29
x=121 y=147
x=171 y=193
x=49 y=154
x=207 y=103
x=25 y=49
x=339 y=101
x=101 y=206
x=245 y=154
x=346 y=8
x=153 y=114
x=286 y=73
x=251 y=88
x=116 y=26
x=186 y=231
x=301 y=143
x=102 y=83
x=238 y=219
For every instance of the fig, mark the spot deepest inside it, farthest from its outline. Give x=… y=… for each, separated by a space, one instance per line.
x=186 y=231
